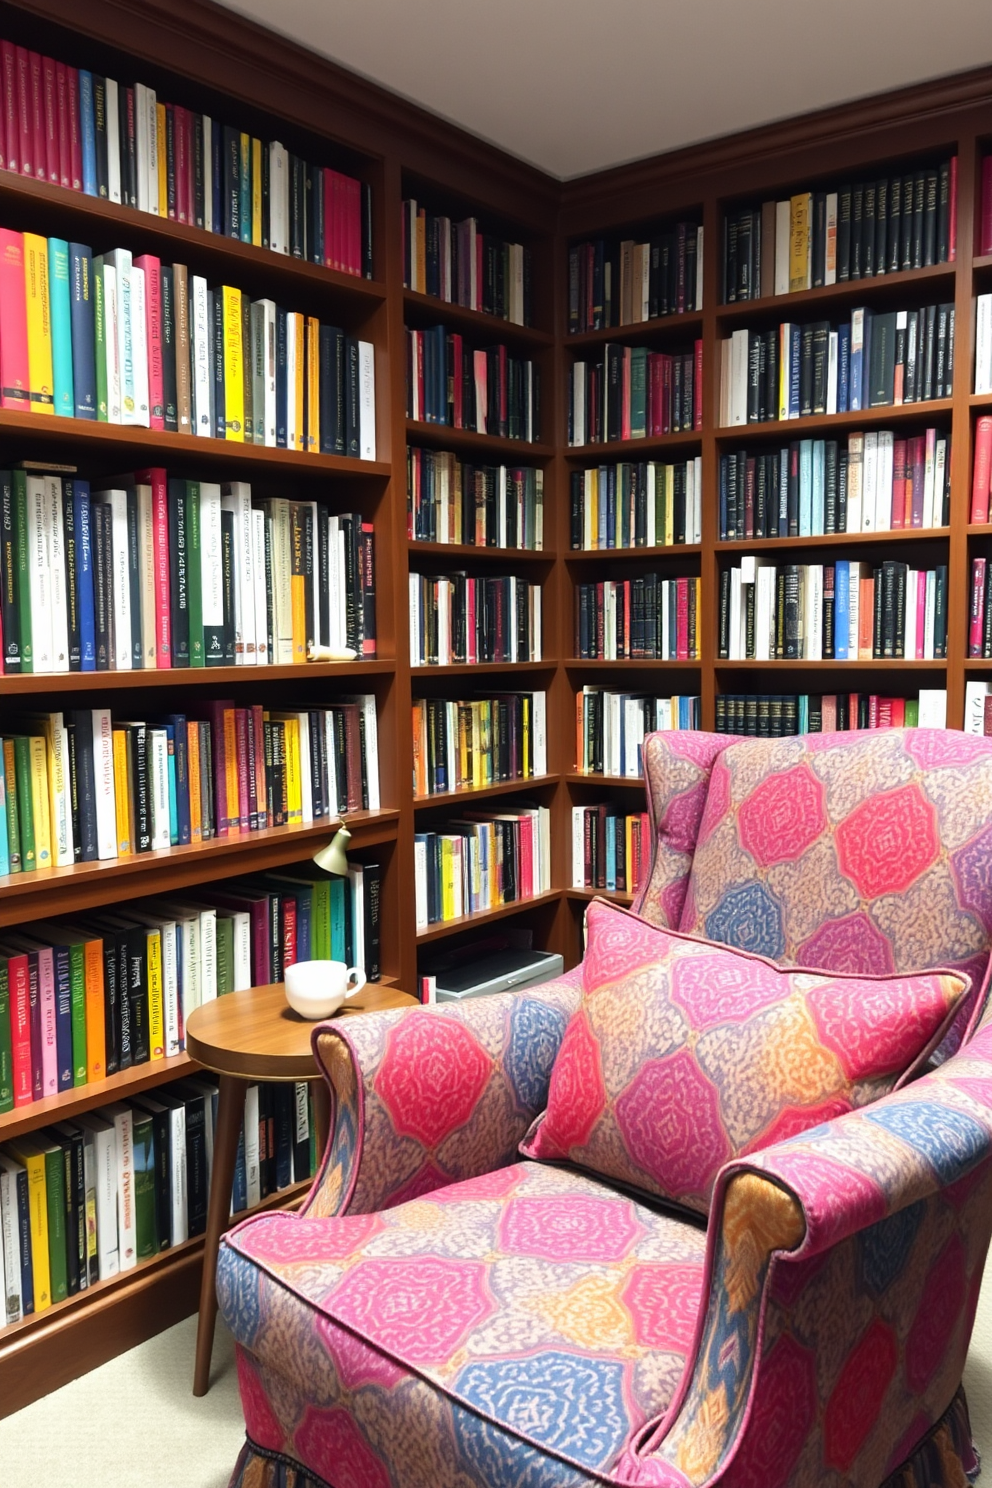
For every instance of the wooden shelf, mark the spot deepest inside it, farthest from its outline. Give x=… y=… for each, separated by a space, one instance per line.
x=575 y=663
x=96 y=1093
x=423 y=309
x=467 y=442
x=443 y=551
x=481 y=793
x=929 y=282
x=978 y=664
x=980 y=400
x=465 y=922
x=464 y=668
x=669 y=327
x=786 y=430
x=213 y=677
x=835 y=539
x=609 y=451
x=122 y=443
x=879 y=664
x=606 y=782
x=583 y=896
x=628 y=555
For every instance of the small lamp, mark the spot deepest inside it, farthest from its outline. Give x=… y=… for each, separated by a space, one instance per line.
x=334 y=857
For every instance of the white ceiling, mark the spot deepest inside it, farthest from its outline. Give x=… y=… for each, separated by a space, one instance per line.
x=577 y=85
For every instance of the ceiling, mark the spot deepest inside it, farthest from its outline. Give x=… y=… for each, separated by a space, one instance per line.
x=577 y=85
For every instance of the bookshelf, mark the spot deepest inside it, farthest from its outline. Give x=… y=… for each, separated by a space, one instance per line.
x=204 y=57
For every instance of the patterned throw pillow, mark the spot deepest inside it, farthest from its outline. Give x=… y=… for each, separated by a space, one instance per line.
x=685 y=1054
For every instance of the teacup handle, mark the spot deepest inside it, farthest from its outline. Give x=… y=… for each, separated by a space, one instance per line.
x=359 y=975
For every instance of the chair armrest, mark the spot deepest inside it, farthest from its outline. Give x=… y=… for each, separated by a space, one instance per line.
x=425 y=1096
x=842 y=1280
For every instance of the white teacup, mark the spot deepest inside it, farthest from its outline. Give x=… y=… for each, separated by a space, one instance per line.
x=316 y=989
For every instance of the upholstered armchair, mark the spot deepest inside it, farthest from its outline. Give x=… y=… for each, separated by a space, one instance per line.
x=445 y=1314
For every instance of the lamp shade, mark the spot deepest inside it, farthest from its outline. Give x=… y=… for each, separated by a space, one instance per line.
x=334 y=857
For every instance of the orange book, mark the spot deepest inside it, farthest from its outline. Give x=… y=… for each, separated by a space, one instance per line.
x=231 y=763
x=193 y=767
x=297 y=583
x=866 y=620
x=301 y=357
x=580 y=754
x=96 y=1032
x=313 y=385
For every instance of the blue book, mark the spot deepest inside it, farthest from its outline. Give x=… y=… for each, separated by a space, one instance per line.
x=304 y=922
x=610 y=515
x=87 y=126
x=281 y=390
x=783 y=492
x=842 y=605
x=803 y=721
x=177 y=723
x=611 y=852
x=805 y=487
x=58 y=293
x=170 y=736
x=63 y=1014
x=795 y=351
x=239 y=1187
x=244 y=185
x=4 y=843
x=81 y=518
x=83 y=327
x=854 y=398
x=217 y=178
x=819 y=483
x=339 y=928
x=844 y=369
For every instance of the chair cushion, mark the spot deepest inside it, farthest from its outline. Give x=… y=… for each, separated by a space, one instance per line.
x=528 y=1315
x=685 y=1054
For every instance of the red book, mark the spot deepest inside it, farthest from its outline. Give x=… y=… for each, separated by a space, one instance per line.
x=525 y=826
x=258 y=729
x=985 y=219
x=62 y=120
x=682 y=619
x=987 y=717
x=153 y=329
x=982 y=470
x=53 y=165
x=11 y=125
x=241 y=736
x=697 y=388
x=898 y=481
x=897 y=718
x=977 y=606
x=75 y=130
x=952 y=220
x=457 y=381
x=287 y=904
x=330 y=222
x=180 y=126
x=14 y=380
x=872 y=710
x=37 y=94
x=883 y=713
x=156 y=478
x=20 y=1029
x=213 y=712
x=26 y=145
x=354 y=195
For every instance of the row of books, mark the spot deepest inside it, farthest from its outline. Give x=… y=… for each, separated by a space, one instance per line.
x=610 y=728
x=458 y=619
x=83 y=1000
x=451 y=500
x=879 y=482
x=977 y=707
x=457 y=263
x=630 y=282
x=643 y=505
x=610 y=849
x=486 y=860
x=472 y=743
x=159 y=573
x=859 y=231
x=76 y=129
x=489 y=392
x=980 y=610
x=83 y=1200
x=776 y=715
x=126 y=340
x=874 y=361
x=981 y=469
x=630 y=392
x=648 y=618
x=83 y=787
x=983 y=344
x=843 y=611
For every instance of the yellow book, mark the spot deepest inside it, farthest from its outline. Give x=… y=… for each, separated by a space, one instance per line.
x=234 y=386
x=294 y=786
x=39 y=801
x=800 y=241
x=485 y=743
x=465 y=711
x=41 y=380
x=313 y=385
x=297 y=584
x=122 y=794
x=26 y=1152
x=422 y=251
x=300 y=380
x=193 y=766
x=477 y=780
x=256 y=192
x=163 y=162
x=96 y=1033
x=669 y=505
x=156 y=996
x=784 y=369
x=526 y=743
x=231 y=770
x=447 y=878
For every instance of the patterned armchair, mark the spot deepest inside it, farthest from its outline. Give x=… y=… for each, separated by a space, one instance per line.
x=442 y=1314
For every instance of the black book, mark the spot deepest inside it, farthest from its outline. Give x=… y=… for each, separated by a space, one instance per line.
x=137 y=993
x=906 y=234
x=770 y=396
x=919 y=211
x=315 y=214
x=134 y=578
x=819 y=238
x=332 y=390
x=878 y=611
x=367 y=244
x=857 y=216
x=9 y=609
x=928 y=319
x=71 y=578
x=888 y=634
x=792 y=624
x=297 y=207
x=227 y=583
x=77 y=836
x=169 y=398
x=103 y=575
x=901 y=580
x=351 y=398
x=734 y=505
x=894 y=257
x=232 y=182
x=197 y=1116
x=100 y=132
x=930 y=207
x=793 y=491
x=745 y=256
x=141 y=800
x=128 y=144
x=731 y=276
x=881 y=224
x=843 y=234
x=760 y=495
x=80 y=724
x=820 y=355
x=911 y=376
x=940 y=612
x=830 y=472
x=868 y=231
x=806 y=370
x=215 y=332
x=753 y=376
x=882 y=362
x=372 y=901
x=944 y=213
x=178 y=575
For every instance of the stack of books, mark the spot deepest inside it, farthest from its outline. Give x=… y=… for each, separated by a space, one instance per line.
x=127 y=340
x=610 y=849
x=472 y=743
x=153 y=572
x=774 y=715
x=878 y=482
x=648 y=618
x=875 y=360
x=610 y=728
x=489 y=392
x=643 y=505
x=90 y=133
x=450 y=500
x=632 y=393
x=858 y=231
x=843 y=611
x=82 y=786
x=480 y=863
x=630 y=282
x=457 y=263
x=458 y=618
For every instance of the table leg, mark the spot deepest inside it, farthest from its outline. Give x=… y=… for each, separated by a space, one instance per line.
x=230 y=1109
x=321 y=1115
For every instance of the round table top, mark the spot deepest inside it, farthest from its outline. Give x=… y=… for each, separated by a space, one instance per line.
x=256 y=1035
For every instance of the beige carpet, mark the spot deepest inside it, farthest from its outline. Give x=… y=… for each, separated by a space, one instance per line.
x=135 y=1424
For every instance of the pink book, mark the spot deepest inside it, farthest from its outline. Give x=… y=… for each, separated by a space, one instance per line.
x=625 y=395
x=14 y=382
x=525 y=827
x=682 y=620
x=37 y=84
x=24 y=130
x=829 y=707
x=921 y=611
x=354 y=219
x=181 y=134
x=471 y=654
x=241 y=736
x=481 y=391
x=982 y=470
x=49 y=1023
x=153 y=326
x=20 y=1029
x=985 y=219
x=49 y=73
x=156 y=478
x=883 y=713
x=11 y=125
x=75 y=130
x=977 y=606
x=62 y=124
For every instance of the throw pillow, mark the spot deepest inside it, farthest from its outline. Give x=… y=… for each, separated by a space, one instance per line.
x=685 y=1054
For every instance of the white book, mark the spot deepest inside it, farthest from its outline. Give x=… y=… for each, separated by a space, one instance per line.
x=208 y=955
x=832 y=343
x=301 y=1124
x=899 y=385
x=186 y=918
x=356 y=881
x=738 y=377
x=208 y=174
x=258 y=576
x=830 y=265
x=278 y=198
x=40 y=572
x=909 y=627
x=853 y=609
x=105 y=1163
x=200 y=337
x=263 y=321
x=145 y=133
x=10 y=1243
x=366 y=400
x=736 y=615
x=158 y=779
x=146 y=574
x=121 y=557
x=699 y=267
x=152 y=110
x=113 y=142
x=579 y=403
x=539 y=733
x=814 y=611
x=60 y=793
x=764 y=616
x=292 y=413
x=103 y=774
x=57 y=574
x=171 y=970
x=242 y=950
x=939 y=479
x=253 y=1184
x=783 y=228
x=420 y=883
x=869 y=483
x=123 y=1120
x=933 y=707
x=120 y=261
x=111 y=342
x=235 y=497
x=883 y=481
x=211 y=557
x=855 y=454
x=975 y=694
x=983 y=344
x=139 y=348
x=928 y=478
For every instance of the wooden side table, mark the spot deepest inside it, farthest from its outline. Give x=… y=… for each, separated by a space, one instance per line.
x=246 y=1037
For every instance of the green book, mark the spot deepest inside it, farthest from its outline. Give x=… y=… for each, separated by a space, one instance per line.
x=6 y=1051
x=244 y=190
x=320 y=921
x=146 y=1227
x=100 y=341
x=55 y=1192
x=339 y=923
x=194 y=577
x=638 y=392
x=77 y=992
x=58 y=292
x=225 y=954
x=10 y=806
x=25 y=810
x=912 y=713
x=22 y=550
